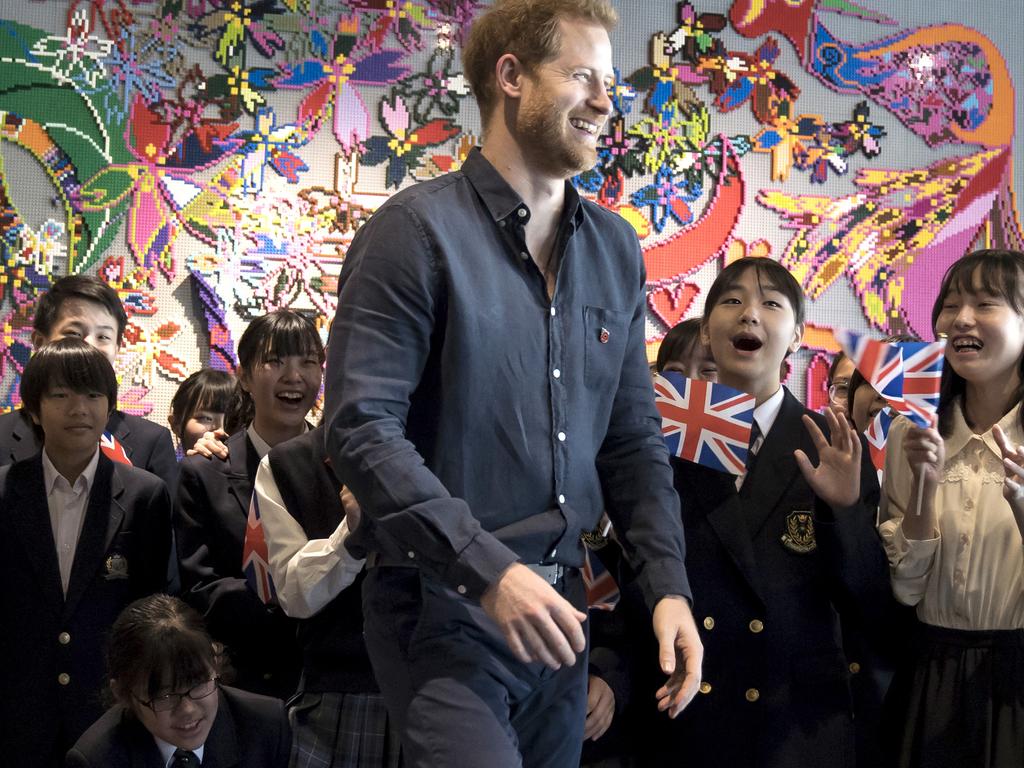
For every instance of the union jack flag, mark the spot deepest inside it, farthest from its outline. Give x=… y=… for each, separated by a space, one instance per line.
x=255 y=557
x=704 y=422
x=602 y=591
x=922 y=376
x=907 y=374
x=113 y=449
x=877 y=435
x=879 y=362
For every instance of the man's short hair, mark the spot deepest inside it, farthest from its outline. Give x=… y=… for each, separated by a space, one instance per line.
x=528 y=29
x=70 y=363
x=88 y=287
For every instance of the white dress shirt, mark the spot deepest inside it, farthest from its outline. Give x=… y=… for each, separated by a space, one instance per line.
x=167 y=751
x=971 y=575
x=67 y=504
x=307 y=574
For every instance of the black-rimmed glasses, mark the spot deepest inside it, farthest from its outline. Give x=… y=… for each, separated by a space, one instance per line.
x=170 y=701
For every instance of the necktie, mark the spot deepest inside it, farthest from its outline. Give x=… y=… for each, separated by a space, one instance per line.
x=756 y=439
x=184 y=758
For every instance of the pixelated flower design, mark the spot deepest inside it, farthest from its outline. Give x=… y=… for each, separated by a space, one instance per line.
x=270 y=145
x=667 y=199
x=404 y=145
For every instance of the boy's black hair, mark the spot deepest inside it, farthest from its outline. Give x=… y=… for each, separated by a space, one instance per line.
x=87 y=287
x=205 y=390
x=678 y=343
x=998 y=272
x=70 y=363
x=770 y=274
x=159 y=643
x=281 y=333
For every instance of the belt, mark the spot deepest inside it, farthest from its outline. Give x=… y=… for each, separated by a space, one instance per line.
x=551 y=573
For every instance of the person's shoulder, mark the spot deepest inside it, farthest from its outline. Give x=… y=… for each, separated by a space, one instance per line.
x=428 y=195
x=607 y=220
x=143 y=426
x=254 y=708
x=142 y=480
x=107 y=742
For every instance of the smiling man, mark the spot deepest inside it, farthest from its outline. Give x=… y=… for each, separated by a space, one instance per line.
x=488 y=397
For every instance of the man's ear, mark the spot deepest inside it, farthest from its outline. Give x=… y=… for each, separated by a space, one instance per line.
x=38 y=339
x=34 y=417
x=509 y=73
x=705 y=335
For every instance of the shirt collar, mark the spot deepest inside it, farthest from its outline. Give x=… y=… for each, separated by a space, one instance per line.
x=962 y=433
x=262 y=446
x=766 y=413
x=501 y=200
x=51 y=476
x=167 y=751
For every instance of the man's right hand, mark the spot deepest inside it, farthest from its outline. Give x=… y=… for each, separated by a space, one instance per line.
x=211 y=444
x=537 y=622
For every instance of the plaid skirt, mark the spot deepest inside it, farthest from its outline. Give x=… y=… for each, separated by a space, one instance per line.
x=342 y=730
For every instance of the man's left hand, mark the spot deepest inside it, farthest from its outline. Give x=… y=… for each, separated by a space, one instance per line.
x=680 y=653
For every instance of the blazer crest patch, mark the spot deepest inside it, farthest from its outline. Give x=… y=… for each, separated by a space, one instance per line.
x=799 y=535
x=117 y=567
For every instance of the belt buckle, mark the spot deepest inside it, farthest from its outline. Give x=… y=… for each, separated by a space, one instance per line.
x=551 y=573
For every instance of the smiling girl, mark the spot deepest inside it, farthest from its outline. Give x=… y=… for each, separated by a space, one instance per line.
x=280 y=364
x=961 y=561
x=170 y=707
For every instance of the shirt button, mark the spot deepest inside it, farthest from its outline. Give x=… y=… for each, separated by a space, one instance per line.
x=561 y=499
x=412 y=555
x=461 y=589
x=969 y=504
x=524 y=255
x=553 y=312
x=63 y=678
x=709 y=623
x=705 y=687
x=752 y=694
x=561 y=437
x=556 y=373
x=63 y=638
x=854 y=667
x=521 y=213
x=756 y=626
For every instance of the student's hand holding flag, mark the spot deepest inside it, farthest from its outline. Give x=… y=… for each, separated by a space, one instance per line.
x=1013 y=485
x=836 y=479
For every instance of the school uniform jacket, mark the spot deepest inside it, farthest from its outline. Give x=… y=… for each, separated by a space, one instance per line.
x=52 y=646
x=146 y=444
x=771 y=567
x=250 y=731
x=211 y=509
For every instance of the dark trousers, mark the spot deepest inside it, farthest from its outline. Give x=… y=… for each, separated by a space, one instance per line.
x=457 y=694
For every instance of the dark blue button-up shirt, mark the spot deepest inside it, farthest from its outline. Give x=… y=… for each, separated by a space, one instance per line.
x=480 y=423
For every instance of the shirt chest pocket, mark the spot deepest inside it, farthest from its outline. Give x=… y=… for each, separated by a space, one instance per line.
x=604 y=344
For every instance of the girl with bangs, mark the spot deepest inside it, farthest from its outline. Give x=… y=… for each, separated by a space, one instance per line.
x=199 y=406
x=959 y=700
x=170 y=709
x=280 y=365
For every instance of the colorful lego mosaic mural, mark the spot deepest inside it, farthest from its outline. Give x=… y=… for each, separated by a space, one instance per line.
x=212 y=160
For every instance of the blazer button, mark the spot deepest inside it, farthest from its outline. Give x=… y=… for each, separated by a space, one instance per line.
x=63 y=638
x=63 y=678
x=709 y=623
x=753 y=694
x=757 y=626
x=854 y=667
x=705 y=687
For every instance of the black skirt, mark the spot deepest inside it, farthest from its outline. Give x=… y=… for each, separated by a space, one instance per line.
x=958 y=702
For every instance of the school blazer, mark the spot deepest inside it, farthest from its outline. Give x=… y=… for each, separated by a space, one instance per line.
x=772 y=567
x=52 y=647
x=211 y=509
x=250 y=731
x=146 y=444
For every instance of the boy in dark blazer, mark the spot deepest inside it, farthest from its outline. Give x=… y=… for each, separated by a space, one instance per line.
x=775 y=555
x=84 y=536
x=84 y=307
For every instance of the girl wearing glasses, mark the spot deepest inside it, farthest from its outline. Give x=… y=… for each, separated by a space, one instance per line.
x=170 y=711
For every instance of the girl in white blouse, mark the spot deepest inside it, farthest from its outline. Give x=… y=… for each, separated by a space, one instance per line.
x=959 y=700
